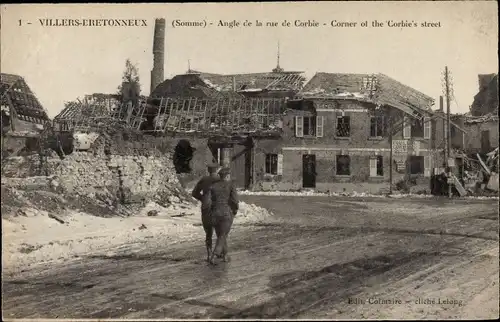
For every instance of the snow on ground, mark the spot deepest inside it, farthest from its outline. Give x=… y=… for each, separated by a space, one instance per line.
x=36 y=238
x=307 y=193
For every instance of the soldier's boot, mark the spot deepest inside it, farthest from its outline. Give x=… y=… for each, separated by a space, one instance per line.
x=208 y=244
x=225 y=256
x=212 y=260
x=209 y=252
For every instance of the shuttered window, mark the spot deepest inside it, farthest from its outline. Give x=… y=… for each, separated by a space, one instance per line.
x=406 y=127
x=427 y=128
x=377 y=166
x=280 y=165
x=427 y=166
x=299 y=126
x=319 y=126
x=373 y=167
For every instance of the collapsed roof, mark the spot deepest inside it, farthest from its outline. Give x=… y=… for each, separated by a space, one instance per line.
x=273 y=81
x=216 y=117
x=21 y=101
x=377 y=88
x=93 y=111
x=189 y=85
x=199 y=84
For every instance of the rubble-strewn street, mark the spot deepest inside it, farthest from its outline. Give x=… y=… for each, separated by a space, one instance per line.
x=315 y=257
x=35 y=235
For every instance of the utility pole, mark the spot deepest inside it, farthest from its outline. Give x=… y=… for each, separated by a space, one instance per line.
x=445 y=134
x=391 y=159
x=448 y=136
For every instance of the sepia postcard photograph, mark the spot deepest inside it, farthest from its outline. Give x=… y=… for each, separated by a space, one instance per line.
x=314 y=160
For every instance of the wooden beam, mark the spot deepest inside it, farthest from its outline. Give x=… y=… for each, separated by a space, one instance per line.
x=207 y=114
x=158 y=114
x=253 y=180
x=143 y=108
x=240 y=110
x=188 y=110
x=179 y=111
x=233 y=114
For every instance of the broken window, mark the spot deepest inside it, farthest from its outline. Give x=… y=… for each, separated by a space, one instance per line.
x=416 y=164
x=453 y=132
x=417 y=128
x=485 y=141
x=343 y=126
x=5 y=119
x=265 y=122
x=343 y=165
x=272 y=164
x=309 y=125
x=377 y=126
x=377 y=166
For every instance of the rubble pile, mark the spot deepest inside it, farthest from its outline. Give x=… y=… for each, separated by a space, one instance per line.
x=481 y=177
x=112 y=165
x=492 y=161
x=490 y=117
x=252 y=212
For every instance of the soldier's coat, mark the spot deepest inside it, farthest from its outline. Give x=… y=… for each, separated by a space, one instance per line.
x=200 y=192
x=223 y=200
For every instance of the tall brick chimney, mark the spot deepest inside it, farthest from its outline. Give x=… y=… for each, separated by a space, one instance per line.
x=157 y=73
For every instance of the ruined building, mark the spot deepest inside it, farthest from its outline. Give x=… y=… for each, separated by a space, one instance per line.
x=480 y=126
x=486 y=100
x=23 y=117
x=336 y=136
x=332 y=134
x=21 y=110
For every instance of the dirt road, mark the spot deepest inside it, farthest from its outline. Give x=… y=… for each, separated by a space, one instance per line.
x=319 y=257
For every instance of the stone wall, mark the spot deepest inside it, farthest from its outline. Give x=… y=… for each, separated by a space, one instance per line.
x=128 y=178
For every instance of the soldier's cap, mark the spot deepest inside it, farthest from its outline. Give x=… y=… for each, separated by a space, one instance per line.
x=224 y=171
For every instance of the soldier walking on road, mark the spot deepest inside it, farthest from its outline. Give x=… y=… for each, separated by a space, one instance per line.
x=223 y=200
x=200 y=193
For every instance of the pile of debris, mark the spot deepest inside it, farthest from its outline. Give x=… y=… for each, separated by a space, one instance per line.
x=490 y=117
x=481 y=177
x=490 y=168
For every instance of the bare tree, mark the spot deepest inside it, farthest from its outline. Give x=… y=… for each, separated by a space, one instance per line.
x=130 y=77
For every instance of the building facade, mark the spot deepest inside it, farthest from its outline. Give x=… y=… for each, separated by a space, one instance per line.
x=337 y=138
x=344 y=145
x=334 y=134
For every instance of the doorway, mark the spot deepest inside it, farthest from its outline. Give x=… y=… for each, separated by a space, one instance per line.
x=238 y=158
x=241 y=166
x=485 y=141
x=309 y=171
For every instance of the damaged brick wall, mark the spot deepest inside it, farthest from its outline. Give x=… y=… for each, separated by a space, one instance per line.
x=469 y=142
x=202 y=156
x=475 y=134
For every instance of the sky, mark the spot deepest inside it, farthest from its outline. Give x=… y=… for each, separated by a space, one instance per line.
x=63 y=63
